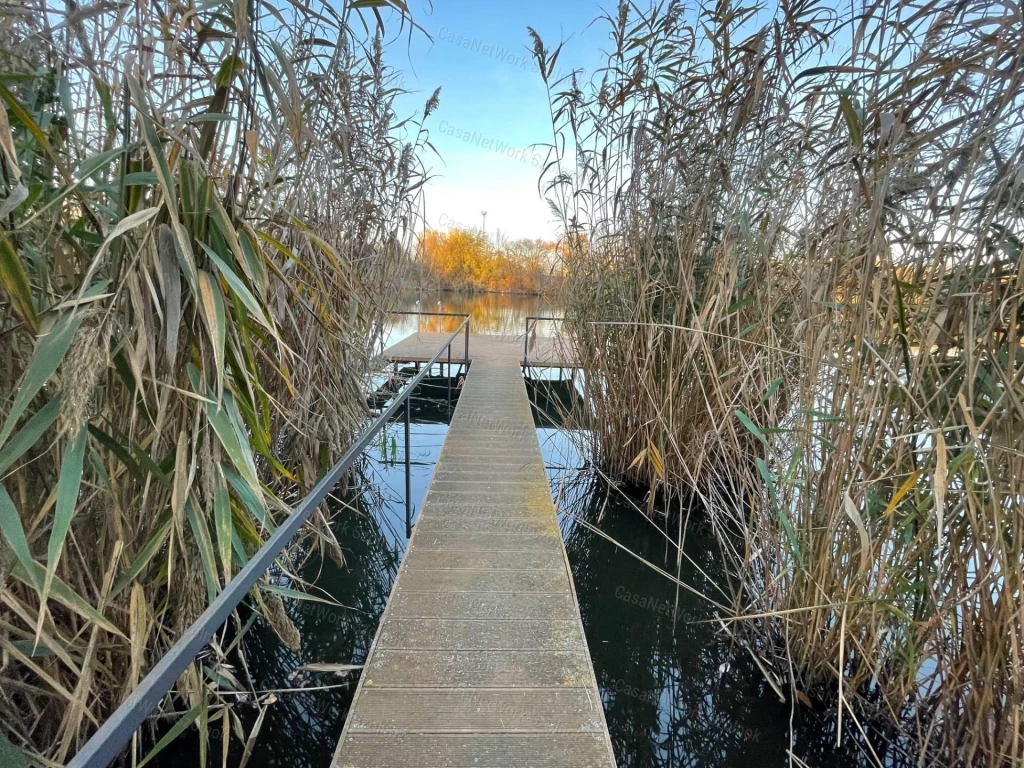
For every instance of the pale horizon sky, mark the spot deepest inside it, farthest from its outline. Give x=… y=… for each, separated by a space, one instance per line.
x=493 y=107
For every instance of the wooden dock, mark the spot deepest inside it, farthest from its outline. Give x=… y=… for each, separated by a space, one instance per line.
x=542 y=352
x=480 y=659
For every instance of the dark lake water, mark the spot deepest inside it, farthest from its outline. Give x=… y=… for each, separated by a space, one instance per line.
x=676 y=692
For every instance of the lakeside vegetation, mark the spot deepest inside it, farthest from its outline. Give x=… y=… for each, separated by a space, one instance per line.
x=205 y=218
x=799 y=309
x=468 y=260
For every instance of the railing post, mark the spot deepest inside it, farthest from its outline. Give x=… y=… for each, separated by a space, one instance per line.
x=448 y=378
x=408 y=478
x=465 y=357
x=526 y=342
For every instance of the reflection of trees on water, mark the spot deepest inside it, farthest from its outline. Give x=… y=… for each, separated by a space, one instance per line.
x=499 y=314
x=676 y=692
x=553 y=398
x=301 y=729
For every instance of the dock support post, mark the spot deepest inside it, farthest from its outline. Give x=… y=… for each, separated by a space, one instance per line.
x=408 y=479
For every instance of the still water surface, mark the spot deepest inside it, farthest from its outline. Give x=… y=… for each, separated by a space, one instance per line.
x=496 y=314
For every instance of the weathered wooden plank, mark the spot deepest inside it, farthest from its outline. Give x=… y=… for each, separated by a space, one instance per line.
x=491 y=750
x=502 y=452
x=497 y=561
x=483 y=542
x=481 y=634
x=490 y=509
x=478 y=710
x=478 y=669
x=470 y=498
x=480 y=605
x=449 y=524
x=482 y=580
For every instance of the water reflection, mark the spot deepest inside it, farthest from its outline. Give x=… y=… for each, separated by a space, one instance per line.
x=301 y=729
x=500 y=314
x=676 y=690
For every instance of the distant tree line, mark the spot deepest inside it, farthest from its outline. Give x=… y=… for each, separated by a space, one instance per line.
x=467 y=259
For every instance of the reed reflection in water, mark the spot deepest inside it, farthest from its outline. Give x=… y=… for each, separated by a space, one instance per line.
x=676 y=690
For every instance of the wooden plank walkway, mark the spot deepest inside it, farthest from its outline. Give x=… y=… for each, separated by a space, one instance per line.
x=544 y=351
x=480 y=660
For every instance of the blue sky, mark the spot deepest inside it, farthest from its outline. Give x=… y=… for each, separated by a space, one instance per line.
x=493 y=104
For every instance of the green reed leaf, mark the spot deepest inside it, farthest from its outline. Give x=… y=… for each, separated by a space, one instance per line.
x=68 y=484
x=211 y=302
x=751 y=427
x=65 y=595
x=176 y=730
x=14 y=280
x=29 y=434
x=50 y=351
x=252 y=501
x=14 y=534
x=223 y=525
x=205 y=545
x=237 y=286
x=146 y=554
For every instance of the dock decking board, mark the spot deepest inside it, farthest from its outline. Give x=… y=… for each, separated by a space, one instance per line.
x=480 y=659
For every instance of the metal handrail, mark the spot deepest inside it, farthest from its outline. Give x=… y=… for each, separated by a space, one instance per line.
x=526 y=336
x=111 y=737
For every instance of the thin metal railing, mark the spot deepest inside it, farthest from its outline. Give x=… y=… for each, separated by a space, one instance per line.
x=526 y=336
x=113 y=736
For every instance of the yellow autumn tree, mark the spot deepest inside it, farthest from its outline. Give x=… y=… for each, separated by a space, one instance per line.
x=466 y=258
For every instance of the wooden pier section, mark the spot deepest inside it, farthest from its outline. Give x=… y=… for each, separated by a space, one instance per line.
x=480 y=659
x=542 y=352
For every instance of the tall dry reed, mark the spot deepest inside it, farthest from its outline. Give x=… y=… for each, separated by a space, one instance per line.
x=204 y=212
x=795 y=286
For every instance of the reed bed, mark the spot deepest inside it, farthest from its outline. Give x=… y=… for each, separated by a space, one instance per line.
x=795 y=283
x=205 y=210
